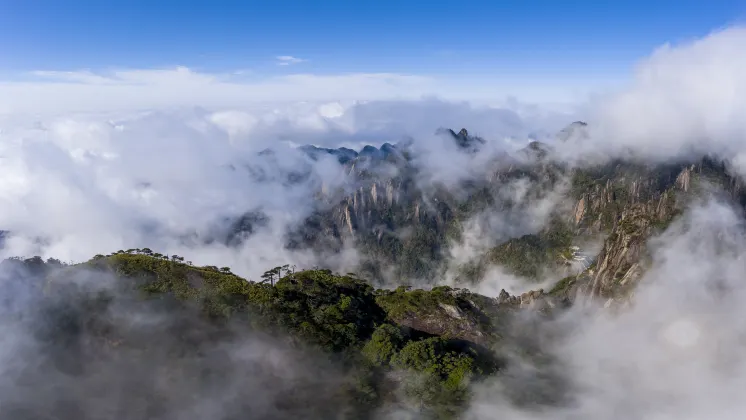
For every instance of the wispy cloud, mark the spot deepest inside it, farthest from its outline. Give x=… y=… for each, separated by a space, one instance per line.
x=166 y=178
x=286 y=60
x=58 y=92
x=684 y=100
x=83 y=76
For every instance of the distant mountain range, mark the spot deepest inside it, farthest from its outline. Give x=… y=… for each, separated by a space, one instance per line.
x=405 y=227
x=135 y=334
x=344 y=155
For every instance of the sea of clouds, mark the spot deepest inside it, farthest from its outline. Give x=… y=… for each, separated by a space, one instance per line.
x=94 y=163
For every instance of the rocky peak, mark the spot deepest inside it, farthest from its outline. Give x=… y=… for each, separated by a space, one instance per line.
x=636 y=207
x=533 y=300
x=463 y=139
x=683 y=181
x=343 y=154
x=576 y=131
x=535 y=151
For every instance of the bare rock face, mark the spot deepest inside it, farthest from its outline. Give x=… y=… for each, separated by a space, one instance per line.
x=451 y=313
x=622 y=250
x=531 y=300
x=624 y=257
x=684 y=179
x=579 y=211
x=627 y=203
x=403 y=226
x=504 y=297
x=604 y=193
x=443 y=323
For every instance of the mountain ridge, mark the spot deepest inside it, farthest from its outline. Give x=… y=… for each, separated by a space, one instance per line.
x=409 y=329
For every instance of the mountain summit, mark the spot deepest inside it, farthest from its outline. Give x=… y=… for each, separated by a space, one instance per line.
x=454 y=287
x=576 y=131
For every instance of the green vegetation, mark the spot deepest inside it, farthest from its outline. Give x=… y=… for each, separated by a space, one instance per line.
x=442 y=375
x=414 y=349
x=335 y=312
x=384 y=344
x=524 y=256
x=527 y=256
x=437 y=372
x=365 y=332
x=582 y=182
x=435 y=356
x=220 y=292
x=446 y=312
x=563 y=286
x=404 y=302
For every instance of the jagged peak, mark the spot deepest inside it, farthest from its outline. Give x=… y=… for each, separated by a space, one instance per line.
x=463 y=139
x=577 y=130
x=536 y=150
x=343 y=154
x=369 y=153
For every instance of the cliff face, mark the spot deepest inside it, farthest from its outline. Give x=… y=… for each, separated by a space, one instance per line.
x=446 y=312
x=593 y=241
x=402 y=222
x=604 y=193
x=390 y=221
x=403 y=227
x=622 y=259
x=627 y=205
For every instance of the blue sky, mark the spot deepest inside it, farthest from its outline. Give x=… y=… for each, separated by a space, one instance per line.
x=531 y=38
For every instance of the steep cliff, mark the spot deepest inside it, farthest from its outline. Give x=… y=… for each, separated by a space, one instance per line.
x=584 y=227
x=403 y=223
x=627 y=204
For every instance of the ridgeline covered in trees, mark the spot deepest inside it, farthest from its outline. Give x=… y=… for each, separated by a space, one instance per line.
x=395 y=349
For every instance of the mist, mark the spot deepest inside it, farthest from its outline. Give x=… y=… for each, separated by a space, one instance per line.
x=682 y=102
x=674 y=352
x=171 y=180
x=225 y=183
x=89 y=347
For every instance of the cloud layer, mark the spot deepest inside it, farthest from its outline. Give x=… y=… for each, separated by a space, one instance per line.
x=78 y=185
x=684 y=100
x=89 y=183
x=62 y=92
x=675 y=354
x=74 y=185
x=286 y=60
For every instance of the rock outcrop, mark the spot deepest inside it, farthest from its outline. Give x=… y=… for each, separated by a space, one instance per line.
x=445 y=312
x=632 y=204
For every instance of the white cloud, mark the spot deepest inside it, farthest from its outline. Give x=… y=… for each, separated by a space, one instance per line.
x=96 y=183
x=65 y=92
x=675 y=354
x=684 y=100
x=92 y=164
x=85 y=77
x=62 y=92
x=286 y=60
x=87 y=187
x=90 y=183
